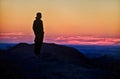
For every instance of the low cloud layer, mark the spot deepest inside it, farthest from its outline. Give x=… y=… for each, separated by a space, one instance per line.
x=15 y=37
x=87 y=40
x=83 y=40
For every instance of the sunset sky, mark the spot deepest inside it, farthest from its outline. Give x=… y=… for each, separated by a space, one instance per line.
x=65 y=21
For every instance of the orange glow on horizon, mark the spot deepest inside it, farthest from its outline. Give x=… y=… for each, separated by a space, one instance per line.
x=61 y=17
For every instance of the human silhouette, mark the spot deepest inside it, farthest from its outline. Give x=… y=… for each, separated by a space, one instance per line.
x=39 y=33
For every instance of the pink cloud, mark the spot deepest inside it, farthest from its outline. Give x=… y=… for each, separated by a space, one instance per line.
x=84 y=40
x=15 y=37
x=4 y=37
x=19 y=33
x=87 y=40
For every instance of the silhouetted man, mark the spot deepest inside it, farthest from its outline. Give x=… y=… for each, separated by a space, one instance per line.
x=39 y=33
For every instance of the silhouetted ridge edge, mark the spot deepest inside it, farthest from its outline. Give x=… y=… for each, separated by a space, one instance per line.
x=59 y=51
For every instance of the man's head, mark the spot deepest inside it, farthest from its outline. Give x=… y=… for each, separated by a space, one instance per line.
x=38 y=15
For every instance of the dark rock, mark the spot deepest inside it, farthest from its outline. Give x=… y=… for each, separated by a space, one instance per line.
x=54 y=62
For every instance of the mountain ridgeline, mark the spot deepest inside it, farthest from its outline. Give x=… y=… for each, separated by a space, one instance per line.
x=55 y=62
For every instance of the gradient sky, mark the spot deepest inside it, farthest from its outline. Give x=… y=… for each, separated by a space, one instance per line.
x=63 y=19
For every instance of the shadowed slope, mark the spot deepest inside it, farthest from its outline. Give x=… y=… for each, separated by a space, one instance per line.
x=54 y=62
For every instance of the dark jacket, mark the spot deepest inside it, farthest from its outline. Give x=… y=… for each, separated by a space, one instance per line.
x=38 y=29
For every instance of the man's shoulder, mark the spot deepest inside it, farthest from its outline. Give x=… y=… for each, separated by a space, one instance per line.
x=37 y=20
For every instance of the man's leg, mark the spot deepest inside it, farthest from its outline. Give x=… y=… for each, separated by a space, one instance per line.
x=37 y=48
x=38 y=44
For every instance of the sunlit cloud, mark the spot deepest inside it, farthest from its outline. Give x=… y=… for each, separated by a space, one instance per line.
x=81 y=40
x=15 y=37
x=4 y=37
x=87 y=40
x=19 y=33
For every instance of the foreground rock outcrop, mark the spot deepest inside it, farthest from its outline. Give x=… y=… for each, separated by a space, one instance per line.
x=54 y=62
